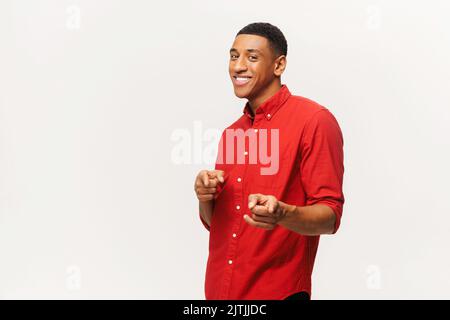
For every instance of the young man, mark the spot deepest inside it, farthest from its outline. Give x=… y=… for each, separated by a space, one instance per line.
x=266 y=213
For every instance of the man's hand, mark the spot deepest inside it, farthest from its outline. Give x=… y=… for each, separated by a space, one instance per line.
x=266 y=210
x=206 y=184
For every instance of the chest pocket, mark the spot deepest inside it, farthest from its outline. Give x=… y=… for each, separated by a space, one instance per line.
x=273 y=177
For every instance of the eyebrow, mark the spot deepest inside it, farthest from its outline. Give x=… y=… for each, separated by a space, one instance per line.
x=248 y=50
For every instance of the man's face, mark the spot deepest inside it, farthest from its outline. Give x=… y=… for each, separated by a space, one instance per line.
x=252 y=65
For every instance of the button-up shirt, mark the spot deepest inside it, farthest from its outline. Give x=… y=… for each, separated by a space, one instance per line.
x=291 y=148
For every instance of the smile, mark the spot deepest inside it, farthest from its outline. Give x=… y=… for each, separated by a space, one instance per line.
x=240 y=81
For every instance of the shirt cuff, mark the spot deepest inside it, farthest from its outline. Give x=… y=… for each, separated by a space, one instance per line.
x=337 y=210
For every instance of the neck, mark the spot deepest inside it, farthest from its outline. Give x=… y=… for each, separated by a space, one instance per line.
x=266 y=93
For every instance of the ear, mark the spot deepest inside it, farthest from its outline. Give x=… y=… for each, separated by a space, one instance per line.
x=280 y=65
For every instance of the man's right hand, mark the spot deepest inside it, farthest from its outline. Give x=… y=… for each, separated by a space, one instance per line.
x=206 y=184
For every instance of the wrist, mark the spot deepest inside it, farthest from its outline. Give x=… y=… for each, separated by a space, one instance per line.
x=287 y=211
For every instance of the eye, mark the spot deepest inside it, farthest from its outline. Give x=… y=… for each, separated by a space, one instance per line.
x=233 y=57
x=253 y=58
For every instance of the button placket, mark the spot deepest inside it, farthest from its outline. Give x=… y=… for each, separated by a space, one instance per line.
x=240 y=199
x=231 y=256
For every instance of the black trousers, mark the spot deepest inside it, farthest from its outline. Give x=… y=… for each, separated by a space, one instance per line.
x=302 y=295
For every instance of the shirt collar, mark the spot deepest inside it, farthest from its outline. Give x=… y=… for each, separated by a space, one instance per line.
x=269 y=107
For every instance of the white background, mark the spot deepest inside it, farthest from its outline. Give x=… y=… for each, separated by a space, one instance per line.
x=93 y=203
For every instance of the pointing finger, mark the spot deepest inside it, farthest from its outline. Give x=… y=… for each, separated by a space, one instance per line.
x=253 y=199
x=220 y=175
x=271 y=206
x=216 y=174
x=260 y=210
x=205 y=178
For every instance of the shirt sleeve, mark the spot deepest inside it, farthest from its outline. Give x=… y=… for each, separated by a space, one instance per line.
x=322 y=163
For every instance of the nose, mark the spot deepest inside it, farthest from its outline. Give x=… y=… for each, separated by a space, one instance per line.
x=240 y=65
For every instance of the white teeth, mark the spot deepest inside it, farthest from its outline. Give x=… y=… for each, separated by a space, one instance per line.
x=242 y=79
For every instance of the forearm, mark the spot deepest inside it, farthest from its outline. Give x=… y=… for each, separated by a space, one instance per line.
x=206 y=210
x=308 y=220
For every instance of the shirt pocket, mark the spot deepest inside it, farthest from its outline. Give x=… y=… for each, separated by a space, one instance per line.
x=273 y=180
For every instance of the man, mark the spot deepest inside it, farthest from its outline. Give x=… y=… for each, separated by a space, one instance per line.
x=265 y=219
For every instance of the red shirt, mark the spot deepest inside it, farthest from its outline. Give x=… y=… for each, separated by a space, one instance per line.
x=246 y=262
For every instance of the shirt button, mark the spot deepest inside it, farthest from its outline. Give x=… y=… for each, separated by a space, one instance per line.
x=246 y=153
x=268 y=115
x=234 y=235
x=238 y=207
x=239 y=179
x=256 y=130
x=230 y=261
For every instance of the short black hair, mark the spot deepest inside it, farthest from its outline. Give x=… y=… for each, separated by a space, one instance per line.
x=270 y=32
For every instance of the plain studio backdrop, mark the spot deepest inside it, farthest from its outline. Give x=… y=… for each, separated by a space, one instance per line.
x=108 y=109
